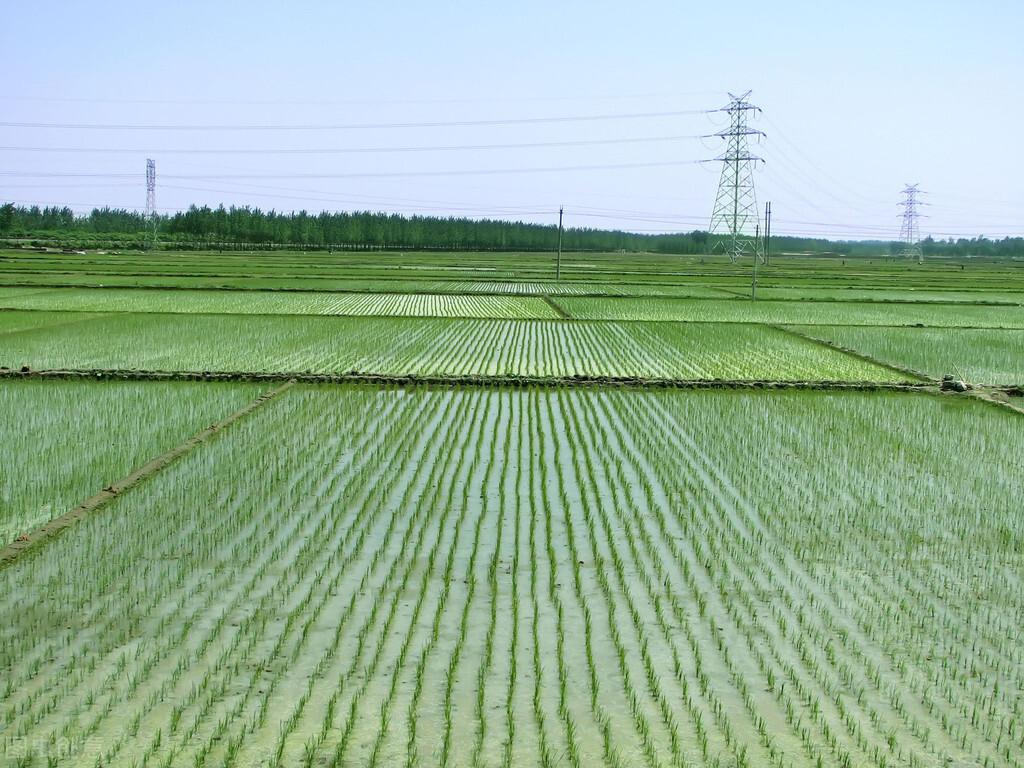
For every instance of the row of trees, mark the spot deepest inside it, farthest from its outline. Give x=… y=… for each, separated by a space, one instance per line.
x=244 y=226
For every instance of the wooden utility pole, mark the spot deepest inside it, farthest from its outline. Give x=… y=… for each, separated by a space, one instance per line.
x=558 y=262
x=767 y=229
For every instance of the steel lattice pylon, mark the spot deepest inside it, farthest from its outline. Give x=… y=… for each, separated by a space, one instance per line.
x=908 y=232
x=735 y=218
x=151 y=219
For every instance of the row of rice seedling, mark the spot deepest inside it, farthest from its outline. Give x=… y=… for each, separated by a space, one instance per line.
x=64 y=441
x=911 y=293
x=917 y=546
x=18 y=322
x=294 y=272
x=984 y=356
x=761 y=575
x=175 y=273
x=539 y=577
x=18 y=292
x=319 y=279
x=443 y=305
x=517 y=286
x=566 y=288
x=425 y=346
x=256 y=538
x=789 y=273
x=339 y=282
x=514 y=307
x=278 y=302
x=717 y=535
x=795 y=312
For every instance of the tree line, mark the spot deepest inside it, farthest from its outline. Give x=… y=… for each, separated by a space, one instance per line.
x=242 y=227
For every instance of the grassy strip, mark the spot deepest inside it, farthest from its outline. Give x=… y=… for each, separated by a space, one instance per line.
x=57 y=525
x=999 y=397
x=497 y=380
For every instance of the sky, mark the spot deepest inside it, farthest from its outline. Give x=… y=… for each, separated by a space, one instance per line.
x=345 y=106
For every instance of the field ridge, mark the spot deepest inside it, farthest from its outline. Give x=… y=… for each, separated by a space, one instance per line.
x=852 y=352
x=454 y=380
x=57 y=525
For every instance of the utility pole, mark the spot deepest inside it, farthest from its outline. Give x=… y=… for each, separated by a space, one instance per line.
x=558 y=262
x=767 y=229
x=735 y=215
x=151 y=201
x=753 y=280
x=909 y=231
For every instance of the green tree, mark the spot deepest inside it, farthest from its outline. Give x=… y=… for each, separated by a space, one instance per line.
x=6 y=217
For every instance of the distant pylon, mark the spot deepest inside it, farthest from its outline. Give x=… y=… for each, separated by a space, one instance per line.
x=908 y=232
x=735 y=217
x=150 y=188
x=151 y=200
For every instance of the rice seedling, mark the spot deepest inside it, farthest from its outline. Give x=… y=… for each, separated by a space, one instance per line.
x=277 y=303
x=538 y=576
x=399 y=346
x=981 y=356
x=795 y=312
x=66 y=440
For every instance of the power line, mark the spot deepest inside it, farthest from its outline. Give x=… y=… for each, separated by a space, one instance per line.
x=782 y=165
x=990 y=202
x=876 y=231
x=835 y=231
x=397 y=205
x=504 y=99
x=349 y=126
x=363 y=175
x=859 y=227
x=772 y=179
x=415 y=205
x=349 y=150
x=344 y=198
x=51 y=185
x=65 y=175
x=777 y=131
x=112 y=206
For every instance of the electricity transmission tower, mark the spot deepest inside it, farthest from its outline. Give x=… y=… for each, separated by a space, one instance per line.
x=908 y=232
x=735 y=217
x=151 y=200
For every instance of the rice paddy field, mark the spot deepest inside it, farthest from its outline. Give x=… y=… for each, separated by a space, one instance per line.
x=986 y=355
x=822 y=312
x=286 y=509
x=423 y=346
x=279 y=303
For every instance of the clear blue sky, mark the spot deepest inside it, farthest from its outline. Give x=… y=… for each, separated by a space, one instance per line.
x=858 y=99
